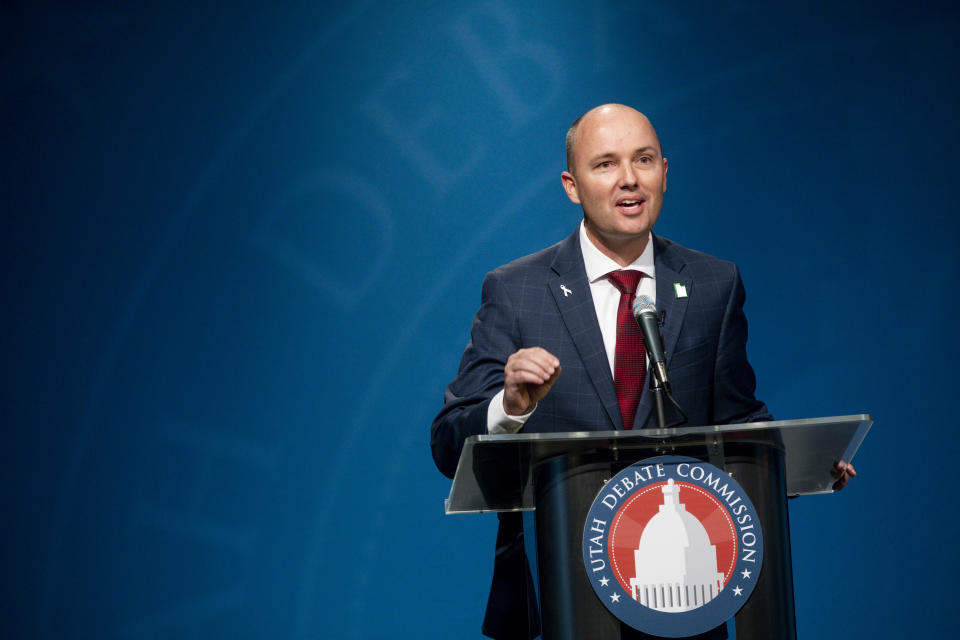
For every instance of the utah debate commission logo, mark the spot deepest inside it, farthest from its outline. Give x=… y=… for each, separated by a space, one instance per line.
x=672 y=546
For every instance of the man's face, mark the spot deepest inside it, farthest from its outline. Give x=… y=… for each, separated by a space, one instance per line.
x=618 y=175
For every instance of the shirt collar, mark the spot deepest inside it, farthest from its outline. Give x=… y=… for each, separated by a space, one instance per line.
x=599 y=265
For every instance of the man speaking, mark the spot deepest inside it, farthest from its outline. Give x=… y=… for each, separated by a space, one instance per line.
x=554 y=346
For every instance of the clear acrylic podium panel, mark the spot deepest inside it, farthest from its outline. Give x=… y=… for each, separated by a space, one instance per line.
x=502 y=463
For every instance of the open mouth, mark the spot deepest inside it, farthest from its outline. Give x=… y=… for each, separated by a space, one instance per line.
x=630 y=204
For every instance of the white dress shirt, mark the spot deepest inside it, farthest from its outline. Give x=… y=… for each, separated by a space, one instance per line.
x=606 y=299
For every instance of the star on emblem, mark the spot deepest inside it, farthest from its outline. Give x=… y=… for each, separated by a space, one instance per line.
x=604 y=581
x=737 y=591
x=615 y=597
x=745 y=573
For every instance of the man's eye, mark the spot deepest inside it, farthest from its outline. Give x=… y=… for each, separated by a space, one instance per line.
x=645 y=159
x=604 y=164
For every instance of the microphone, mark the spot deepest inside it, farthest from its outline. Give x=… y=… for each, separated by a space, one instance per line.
x=645 y=313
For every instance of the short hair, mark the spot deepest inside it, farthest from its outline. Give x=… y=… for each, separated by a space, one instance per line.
x=571 y=134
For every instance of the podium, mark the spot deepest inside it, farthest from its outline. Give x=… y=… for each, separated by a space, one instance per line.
x=557 y=475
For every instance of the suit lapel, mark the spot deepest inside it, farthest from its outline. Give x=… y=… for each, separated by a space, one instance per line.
x=570 y=288
x=668 y=273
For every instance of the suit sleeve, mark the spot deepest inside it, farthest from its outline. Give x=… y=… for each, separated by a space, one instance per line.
x=493 y=337
x=734 y=380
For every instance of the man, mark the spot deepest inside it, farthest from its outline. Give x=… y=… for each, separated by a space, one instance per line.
x=544 y=356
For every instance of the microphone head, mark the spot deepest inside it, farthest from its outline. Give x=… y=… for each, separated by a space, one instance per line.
x=643 y=304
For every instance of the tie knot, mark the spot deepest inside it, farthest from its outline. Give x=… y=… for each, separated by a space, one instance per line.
x=625 y=280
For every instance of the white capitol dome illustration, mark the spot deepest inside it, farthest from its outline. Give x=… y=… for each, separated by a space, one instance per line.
x=675 y=564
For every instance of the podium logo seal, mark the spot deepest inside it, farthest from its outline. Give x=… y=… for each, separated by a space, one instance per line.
x=672 y=546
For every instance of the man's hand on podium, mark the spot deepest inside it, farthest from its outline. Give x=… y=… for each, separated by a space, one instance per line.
x=843 y=471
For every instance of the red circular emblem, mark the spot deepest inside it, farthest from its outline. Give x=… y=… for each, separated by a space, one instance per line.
x=627 y=527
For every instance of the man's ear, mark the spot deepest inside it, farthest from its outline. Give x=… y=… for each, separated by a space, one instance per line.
x=570 y=186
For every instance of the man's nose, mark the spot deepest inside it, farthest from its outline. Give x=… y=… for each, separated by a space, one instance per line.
x=628 y=176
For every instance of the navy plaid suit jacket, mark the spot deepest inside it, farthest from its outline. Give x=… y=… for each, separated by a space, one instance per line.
x=523 y=305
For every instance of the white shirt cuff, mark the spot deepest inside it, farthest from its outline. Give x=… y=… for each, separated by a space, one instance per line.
x=499 y=422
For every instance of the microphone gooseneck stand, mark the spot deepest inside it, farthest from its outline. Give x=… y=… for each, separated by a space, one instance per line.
x=659 y=389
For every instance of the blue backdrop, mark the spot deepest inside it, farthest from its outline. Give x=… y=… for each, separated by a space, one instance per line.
x=243 y=246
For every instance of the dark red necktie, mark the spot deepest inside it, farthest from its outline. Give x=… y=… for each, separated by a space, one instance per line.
x=630 y=355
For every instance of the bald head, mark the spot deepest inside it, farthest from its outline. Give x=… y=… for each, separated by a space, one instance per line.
x=618 y=175
x=596 y=117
